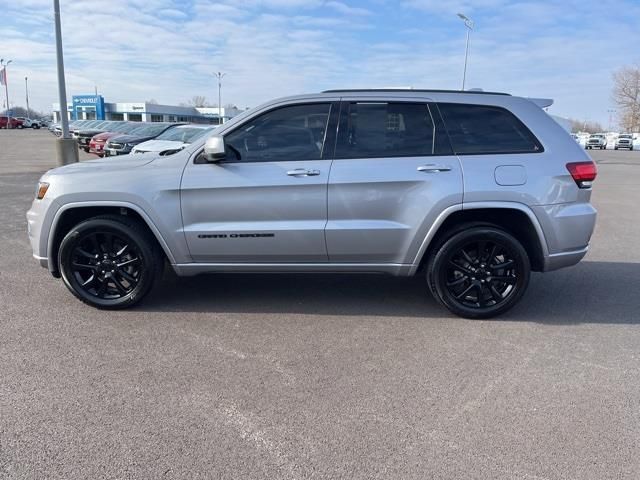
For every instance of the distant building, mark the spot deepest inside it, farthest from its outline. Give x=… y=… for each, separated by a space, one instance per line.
x=93 y=107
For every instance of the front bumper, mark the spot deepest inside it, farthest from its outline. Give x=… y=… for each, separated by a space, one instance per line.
x=112 y=152
x=37 y=217
x=97 y=148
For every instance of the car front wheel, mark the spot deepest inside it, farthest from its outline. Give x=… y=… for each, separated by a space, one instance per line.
x=479 y=272
x=110 y=262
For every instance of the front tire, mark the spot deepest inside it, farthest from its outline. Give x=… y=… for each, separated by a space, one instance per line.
x=109 y=262
x=479 y=272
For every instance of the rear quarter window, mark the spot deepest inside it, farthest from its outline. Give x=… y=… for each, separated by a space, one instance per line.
x=480 y=129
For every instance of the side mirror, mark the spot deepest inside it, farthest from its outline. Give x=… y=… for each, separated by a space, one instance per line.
x=214 y=149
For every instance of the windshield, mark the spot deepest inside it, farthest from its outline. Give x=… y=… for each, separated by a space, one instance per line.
x=183 y=134
x=625 y=136
x=121 y=127
x=148 y=130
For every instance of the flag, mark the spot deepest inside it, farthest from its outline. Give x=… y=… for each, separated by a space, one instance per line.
x=3 y=76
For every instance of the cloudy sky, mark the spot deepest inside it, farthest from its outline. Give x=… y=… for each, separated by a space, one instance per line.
x=136 y=50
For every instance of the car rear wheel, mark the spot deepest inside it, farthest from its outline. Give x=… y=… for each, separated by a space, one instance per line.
x=479 y=272
x=110 y=262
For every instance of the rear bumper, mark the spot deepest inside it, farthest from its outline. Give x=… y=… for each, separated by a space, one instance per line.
x=567 y=228
x=566 y=259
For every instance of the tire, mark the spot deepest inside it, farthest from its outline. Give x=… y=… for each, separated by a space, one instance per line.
x=110 y=262
x=35 y=127
x=615 y=148
x=462 y=277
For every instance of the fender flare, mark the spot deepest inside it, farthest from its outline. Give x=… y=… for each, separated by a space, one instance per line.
x=433 y=230
x=105 y=203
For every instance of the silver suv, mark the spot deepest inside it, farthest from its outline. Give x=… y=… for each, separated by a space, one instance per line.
x=471 y=190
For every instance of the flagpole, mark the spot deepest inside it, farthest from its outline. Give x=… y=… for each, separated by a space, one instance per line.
x=6 y=88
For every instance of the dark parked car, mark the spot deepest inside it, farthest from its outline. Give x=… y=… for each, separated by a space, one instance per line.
x=98 y=142
x=122 y=144
x=84 y=135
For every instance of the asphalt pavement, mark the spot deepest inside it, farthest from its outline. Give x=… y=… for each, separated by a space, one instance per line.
x=320 y=376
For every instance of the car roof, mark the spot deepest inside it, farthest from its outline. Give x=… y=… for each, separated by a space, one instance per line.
x=194 y=125
x=411 y=90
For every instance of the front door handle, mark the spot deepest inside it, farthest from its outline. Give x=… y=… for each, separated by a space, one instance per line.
x=303 y=172
x=432 y=168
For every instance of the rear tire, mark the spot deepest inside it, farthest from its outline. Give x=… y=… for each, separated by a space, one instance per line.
x=110 y=262
x=479 y=272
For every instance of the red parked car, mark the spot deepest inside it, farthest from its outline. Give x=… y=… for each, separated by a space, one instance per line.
x=13 y=122
x=97 y=142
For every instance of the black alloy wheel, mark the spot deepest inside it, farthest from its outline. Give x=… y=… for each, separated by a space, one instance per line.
x=479 y=272
x=109 y=262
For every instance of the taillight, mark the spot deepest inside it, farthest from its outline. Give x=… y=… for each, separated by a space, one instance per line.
x=583 y=173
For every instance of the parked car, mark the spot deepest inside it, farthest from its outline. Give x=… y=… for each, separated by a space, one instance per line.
x=28 y=123
x=84 y=134
x=281 y=188
x=597 y=140
x=173 y=139
x=123 y=144
x=56 y=128
x=625 y=140
x=12 y=121
x=98 y=142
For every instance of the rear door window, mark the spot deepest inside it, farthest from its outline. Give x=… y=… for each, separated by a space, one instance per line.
x=386 y=129
x=480 y=129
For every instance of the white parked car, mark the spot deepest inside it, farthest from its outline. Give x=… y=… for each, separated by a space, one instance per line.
x=29 y=123
x=173 y=140
x=597 y=140
x=625 y=140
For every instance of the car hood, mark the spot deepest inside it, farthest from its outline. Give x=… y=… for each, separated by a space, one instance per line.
x=123 y=162
x=160 y=145
x=105 y=135
x=129 y=139
x=90 y=132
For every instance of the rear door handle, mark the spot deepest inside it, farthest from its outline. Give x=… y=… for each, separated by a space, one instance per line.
x=303 y=172
x=432 y=168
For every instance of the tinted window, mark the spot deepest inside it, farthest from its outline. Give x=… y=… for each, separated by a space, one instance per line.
x=483 y=129
x=285 y=134
x=386 y=130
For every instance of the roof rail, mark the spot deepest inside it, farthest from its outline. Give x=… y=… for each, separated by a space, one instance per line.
x=473 y=92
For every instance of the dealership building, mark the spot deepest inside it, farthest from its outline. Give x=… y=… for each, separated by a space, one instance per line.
x=93 y=107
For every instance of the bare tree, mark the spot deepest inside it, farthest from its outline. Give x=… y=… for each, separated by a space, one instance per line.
x=626 y=96
x=198 y=101
x=585 y=126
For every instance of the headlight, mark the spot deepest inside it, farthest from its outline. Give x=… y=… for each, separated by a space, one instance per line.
x=42 y=190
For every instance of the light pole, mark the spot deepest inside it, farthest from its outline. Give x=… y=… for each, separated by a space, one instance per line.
x=469 y=24
x=26 y=94
x=4 y=65
x=611 y=112
x=219 y=76
x=66 y=147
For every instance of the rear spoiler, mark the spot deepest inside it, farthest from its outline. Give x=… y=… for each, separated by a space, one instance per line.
x=542 y=102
